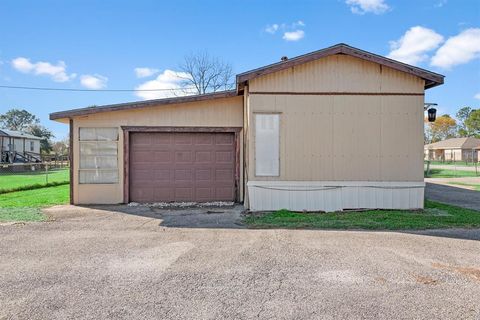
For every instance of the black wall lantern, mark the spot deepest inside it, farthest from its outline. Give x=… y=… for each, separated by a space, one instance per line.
x=432 y=112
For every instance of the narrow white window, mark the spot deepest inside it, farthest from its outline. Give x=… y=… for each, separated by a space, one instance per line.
x=98 y=155
x=267 y=145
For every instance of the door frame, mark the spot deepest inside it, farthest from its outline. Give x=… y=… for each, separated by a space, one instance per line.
x=144 y=129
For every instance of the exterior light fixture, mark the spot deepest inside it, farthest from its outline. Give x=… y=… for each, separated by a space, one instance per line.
x=431 y=111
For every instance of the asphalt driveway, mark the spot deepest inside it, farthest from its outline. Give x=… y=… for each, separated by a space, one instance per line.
x=129 y=264
x=452 y=194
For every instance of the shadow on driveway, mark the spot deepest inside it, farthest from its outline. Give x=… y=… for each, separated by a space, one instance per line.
x=197 y=217
x=214 y=218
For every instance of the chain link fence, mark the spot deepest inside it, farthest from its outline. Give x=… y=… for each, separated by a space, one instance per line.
x=452 y=169
x=27 y=176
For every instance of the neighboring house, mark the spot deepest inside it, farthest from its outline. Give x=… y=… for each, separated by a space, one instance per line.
x=19 y=147
x=455 y=149
x=339 y=128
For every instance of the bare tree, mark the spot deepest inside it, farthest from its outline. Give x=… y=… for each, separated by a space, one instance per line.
x=203 y=73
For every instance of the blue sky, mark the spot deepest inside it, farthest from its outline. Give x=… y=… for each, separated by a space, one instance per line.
x=99 y=44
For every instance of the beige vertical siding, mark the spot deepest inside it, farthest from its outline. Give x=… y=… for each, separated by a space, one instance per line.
x=226 y=112
x=346 y=138
x=334 y=137
x=338 y=73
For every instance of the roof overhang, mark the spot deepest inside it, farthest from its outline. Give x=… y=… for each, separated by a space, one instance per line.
x=432 y=79
x=141 y=104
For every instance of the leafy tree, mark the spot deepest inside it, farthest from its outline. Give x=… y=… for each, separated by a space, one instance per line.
x=462 y=116
x=443 y=128
x=45 y=134
x=472 y=123
x=16 y=119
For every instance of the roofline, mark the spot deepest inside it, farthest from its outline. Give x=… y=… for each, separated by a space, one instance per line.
x=432 y=79
x=141 y=104
x=29 y=136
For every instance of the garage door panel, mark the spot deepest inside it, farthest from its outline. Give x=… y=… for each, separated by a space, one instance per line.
x=167 y=194
x=183 y=175
x=163 y=156
x=203 y=156
x=223 y=175
x=224 y=139
x=183 y=138
x=204 y=139
x=223 y=156
x=224 y=193
x=203 y=175
x=184 y=194
x=168 y=167
x=184 y=156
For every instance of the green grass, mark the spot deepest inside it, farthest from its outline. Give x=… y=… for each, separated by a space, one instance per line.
x=443 y=173
x=21 y=214
x=32 y=179
x=473 y=185
x=26 y=205
x=435 y=215
x=458 y=163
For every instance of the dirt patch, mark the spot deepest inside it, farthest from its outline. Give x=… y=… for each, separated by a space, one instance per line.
x=381 y=280
x=425 y=280
x=471 y=272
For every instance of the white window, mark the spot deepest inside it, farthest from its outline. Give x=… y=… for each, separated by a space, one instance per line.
x=267 y=145
x=32 y=146
x=98 y=155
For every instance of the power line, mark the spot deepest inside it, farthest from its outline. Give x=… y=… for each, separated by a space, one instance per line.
x=94 y=90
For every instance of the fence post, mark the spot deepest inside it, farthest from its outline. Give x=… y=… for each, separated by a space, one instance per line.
x=46 y=172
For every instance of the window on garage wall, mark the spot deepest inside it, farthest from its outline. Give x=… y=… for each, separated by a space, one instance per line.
x=267 y=145
x=98 y=155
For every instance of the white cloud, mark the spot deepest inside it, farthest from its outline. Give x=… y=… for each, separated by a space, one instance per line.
x=477 y=96
x=145 y=72
x=293 y=35
x=458 y=49
x=299 y=23
x=365 y=6
x=291 y=31
x=57 y=72
x=170 y=82
x=413 y=46
x=94 y=81
x=272 y=28
x=440 y=3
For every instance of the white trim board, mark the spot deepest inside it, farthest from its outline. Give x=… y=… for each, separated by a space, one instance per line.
x=334 y=195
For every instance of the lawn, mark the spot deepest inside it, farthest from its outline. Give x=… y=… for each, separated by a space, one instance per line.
x=458 y=163
x=32 y=179
x=435 y=215
x=26 y=205
x=474 y=186
x=443 y=173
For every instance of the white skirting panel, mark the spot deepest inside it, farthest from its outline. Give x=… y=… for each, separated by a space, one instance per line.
x=334 y=195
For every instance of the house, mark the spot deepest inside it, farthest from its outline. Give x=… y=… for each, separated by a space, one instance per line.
x=19 y=147
x=339 y=128
x=454 y=149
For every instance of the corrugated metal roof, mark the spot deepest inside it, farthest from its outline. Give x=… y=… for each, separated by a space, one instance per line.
x=455 y=143
x=17 y=134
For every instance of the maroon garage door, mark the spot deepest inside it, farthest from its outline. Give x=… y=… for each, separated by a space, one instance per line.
x=166 y=167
